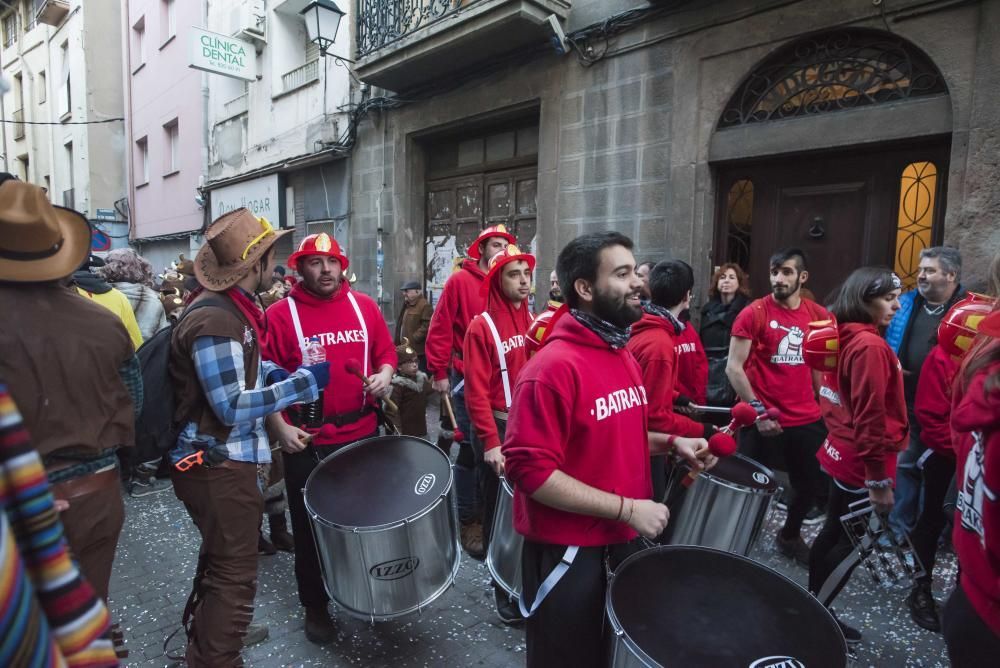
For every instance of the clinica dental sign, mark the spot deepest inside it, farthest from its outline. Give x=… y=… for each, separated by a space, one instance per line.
x=223 y=55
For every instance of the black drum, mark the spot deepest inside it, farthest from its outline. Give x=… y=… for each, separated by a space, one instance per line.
x=697 y=606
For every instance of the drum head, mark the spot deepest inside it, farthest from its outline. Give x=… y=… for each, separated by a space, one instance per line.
x=695 y=606
x=743 y=471
x=378 y=481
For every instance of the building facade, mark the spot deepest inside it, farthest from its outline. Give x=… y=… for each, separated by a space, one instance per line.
x=709 y=131
x=63 y=126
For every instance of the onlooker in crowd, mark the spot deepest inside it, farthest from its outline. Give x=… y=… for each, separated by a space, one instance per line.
x=459 y=303
x=729 y=294
x=767 y=370
x=410 y=389
x=279 y=274
x=910 y=335
x=132 y=275
x=413 y=321
x=229 y=418
x=91 y=285
x=49 y=614
x=864 y=409
x=692 y=363
x=556 y=298
x=642 y=271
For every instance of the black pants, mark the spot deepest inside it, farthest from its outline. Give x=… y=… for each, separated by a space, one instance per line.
x=938 y=471
x=832 y=545
x=971 y=643
x=568 y=627
x=488 y=482
x=308 y=575
x=798 y=445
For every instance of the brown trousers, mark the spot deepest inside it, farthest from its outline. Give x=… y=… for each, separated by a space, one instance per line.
x=225 y=503
x=92 y=524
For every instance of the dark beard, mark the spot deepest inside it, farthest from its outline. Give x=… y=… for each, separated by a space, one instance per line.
x=556 y=296
x=618 y=313
x=784 y=297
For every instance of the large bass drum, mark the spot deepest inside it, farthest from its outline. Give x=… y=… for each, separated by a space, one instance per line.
x=504 y=555
x=695 y=606
x=383 y=514
x=725 y=507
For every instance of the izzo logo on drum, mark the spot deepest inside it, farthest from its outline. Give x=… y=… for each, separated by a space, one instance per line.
x=761 y=478
x=425 y=483
x=394 y=569
x=777 y=662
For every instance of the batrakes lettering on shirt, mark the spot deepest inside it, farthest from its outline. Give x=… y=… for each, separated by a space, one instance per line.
x=618 y=401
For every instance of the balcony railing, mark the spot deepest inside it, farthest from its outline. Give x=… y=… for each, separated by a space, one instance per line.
x=68 y=199
x=19 y=124
x=382 y=22
x=236 y=106
x=300 y=76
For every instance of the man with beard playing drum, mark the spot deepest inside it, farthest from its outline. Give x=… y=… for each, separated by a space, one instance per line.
x=577 y=453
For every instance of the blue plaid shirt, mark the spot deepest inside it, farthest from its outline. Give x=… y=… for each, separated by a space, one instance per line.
x=218 y=360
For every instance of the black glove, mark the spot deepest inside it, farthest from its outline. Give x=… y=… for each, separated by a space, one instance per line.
x=321 y=372
x=682 y=401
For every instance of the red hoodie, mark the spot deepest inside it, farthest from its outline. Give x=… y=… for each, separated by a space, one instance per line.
x=692 y=365
x=460 y=302
x=579 y=407
x=975 y=420
x=483 y=381
x=864 y=409
x=932 y=405
x=336 y=323
x=652 y=344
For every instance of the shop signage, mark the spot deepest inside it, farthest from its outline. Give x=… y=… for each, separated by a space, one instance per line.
x=223 y=55
x=265 y=197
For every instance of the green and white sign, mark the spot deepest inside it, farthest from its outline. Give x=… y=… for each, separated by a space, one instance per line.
x=223 y=55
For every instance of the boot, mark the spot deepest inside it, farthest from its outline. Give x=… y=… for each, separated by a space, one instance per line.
x=255 y=633
x=923 y=607
x=264 y=546
x=320 y=628
x=280 y=537
x=471 y=535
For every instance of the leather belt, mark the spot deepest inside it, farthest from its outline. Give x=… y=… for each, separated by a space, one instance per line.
x=342 y=419
x=500 y=415
x=86 y=484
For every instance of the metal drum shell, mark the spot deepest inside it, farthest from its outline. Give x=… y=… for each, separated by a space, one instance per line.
x=722 y=514
x=348 y=555
x=504 y=555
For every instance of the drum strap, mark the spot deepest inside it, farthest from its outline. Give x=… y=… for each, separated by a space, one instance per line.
x=501 y=356
x=550 y=582
x=842 y=570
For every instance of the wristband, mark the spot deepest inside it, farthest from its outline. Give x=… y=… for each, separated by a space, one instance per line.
x=621 y=505
x=758 y=406
x=671 y=443
x=631 y=509
x=885 y=483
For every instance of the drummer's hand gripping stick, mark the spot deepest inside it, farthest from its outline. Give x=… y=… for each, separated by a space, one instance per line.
x=722 y=443
x=459 y=436
x=353 y=367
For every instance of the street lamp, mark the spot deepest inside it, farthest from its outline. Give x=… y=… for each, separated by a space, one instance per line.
x=322 y=22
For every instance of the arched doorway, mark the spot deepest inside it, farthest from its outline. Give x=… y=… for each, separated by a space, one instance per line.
x=838 y=144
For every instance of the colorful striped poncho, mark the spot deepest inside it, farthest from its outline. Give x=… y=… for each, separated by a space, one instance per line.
x=49 y=615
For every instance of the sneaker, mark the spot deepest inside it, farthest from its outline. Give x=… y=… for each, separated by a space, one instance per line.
x=781 y=505
x=507 y=609
x=144 y=487
x=472 y=539
x=320 y=628
x=793 y=548
x=814 y=516
x=256 y=633
x=923 y=607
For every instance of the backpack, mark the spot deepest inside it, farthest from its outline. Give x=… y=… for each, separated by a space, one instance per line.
x=156 y=430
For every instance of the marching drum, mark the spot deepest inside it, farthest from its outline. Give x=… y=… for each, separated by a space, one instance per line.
x=504 y=555
x=695 y=606
x=725 y=507
x=383 y=514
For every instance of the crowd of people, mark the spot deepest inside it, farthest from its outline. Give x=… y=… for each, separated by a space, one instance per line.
x=587 y=410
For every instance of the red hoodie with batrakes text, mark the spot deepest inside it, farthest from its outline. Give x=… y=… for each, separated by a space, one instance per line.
x=692 y=365
x=460 y=302
x=652 y=343
x=484 y=391
x=975 y=421
x=932 y=405
x=334 y=320
x=864 y=409
x=580 y=408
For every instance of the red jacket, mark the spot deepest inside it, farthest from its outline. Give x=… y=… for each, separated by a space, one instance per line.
x=460 y=302
x=335 y=321
x=652 y=344
x=483 y=382
x=692 y=365
x=932 y=405
x=864 y=409
x=975 y=420
x=579 y=407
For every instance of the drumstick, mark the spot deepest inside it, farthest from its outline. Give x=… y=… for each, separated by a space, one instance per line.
x=722 y=443
x=353 y=367
x=459 y=436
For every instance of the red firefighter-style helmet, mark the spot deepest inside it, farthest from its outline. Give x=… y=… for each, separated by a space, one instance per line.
x=821 y=348
x=319 y=244
x=541 y=327
x=510 y=254
x=492 y=231
x=961 y=324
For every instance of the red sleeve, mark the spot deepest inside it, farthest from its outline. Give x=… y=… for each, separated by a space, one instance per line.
x=478 y=355
x=280 y=346
x=932 y=405
x=692 y=377
x=533 y=448
x=743 y=325
x=657 y=377
x=438 y=347
x=869 y=370
x=381 y=351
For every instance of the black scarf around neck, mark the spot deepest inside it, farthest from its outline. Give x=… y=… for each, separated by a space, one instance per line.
x=614 y=336
x=653 y=309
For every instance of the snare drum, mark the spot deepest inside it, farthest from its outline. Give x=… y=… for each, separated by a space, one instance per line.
x=504 y=555
x=725 y=507
x=383 y=515
x=695 y=606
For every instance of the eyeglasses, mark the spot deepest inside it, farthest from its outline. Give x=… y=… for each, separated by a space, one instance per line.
x=266 y=225
x=189 y=462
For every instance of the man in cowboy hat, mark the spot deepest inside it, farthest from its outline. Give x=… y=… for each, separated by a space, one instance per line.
x=350 y=328
x=413 y=321
x=228 y=403
x=460 y=302
x=70 y=367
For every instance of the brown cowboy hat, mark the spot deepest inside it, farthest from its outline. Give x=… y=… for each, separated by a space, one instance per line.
x=38 y=241
x=233 y=244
